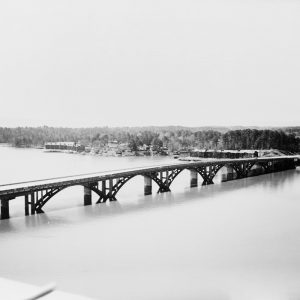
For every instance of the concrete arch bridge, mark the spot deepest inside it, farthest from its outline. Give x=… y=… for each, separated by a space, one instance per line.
x=107 y=184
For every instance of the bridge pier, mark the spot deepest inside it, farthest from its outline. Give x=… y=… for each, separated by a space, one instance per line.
x=87 y=196
x=110 y=190
x=104 y=189
x=26 y=205
x=244 y=170
x=4 y=209
x=293 y=164
x=29 y=205
x=230 y=172
x=32 y=203
x=193 y=178
x=147 y=185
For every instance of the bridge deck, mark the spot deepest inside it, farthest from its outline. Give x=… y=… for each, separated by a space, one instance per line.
x=30 y=186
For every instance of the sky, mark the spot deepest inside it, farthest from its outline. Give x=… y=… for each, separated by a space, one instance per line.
x=139 y=63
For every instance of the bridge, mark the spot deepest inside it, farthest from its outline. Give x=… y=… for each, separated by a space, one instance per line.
x=106 y=185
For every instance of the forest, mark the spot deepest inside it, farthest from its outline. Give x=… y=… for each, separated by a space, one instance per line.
x=173 y=137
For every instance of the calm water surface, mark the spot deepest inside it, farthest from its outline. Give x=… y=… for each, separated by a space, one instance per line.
x=233 y=240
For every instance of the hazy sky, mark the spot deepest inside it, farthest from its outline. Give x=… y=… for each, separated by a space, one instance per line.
x=155 y=62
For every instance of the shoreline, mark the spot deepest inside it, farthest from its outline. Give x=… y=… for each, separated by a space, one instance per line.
x=81 y=153
x=263 y=153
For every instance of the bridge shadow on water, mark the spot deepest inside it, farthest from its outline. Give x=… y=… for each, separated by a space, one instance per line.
x=70 y=216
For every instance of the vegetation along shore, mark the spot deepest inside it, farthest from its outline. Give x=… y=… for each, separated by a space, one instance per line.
x=155 y=140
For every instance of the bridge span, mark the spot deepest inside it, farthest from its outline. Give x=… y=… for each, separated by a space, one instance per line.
x=107 y=184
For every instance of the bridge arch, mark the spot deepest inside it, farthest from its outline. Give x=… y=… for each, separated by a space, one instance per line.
x=41 y=202
x=227 y=170
x=113 y=189
x=165 y=178
x=242 y=169
x=260 y=165
x=208 y=172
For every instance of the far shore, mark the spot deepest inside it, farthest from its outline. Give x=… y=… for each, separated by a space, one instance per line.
x=262 y=153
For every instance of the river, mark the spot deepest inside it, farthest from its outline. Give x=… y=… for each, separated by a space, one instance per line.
x=234 y=240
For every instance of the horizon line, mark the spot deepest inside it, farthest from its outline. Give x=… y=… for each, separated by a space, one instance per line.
x=155 y=126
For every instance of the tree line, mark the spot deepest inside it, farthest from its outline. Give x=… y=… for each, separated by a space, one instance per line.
x=174 y=138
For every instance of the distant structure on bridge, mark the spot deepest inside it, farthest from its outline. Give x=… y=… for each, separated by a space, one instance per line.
x=207 y=153
x=203 y=153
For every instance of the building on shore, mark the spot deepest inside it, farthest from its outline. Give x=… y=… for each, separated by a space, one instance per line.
x=64 y=146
